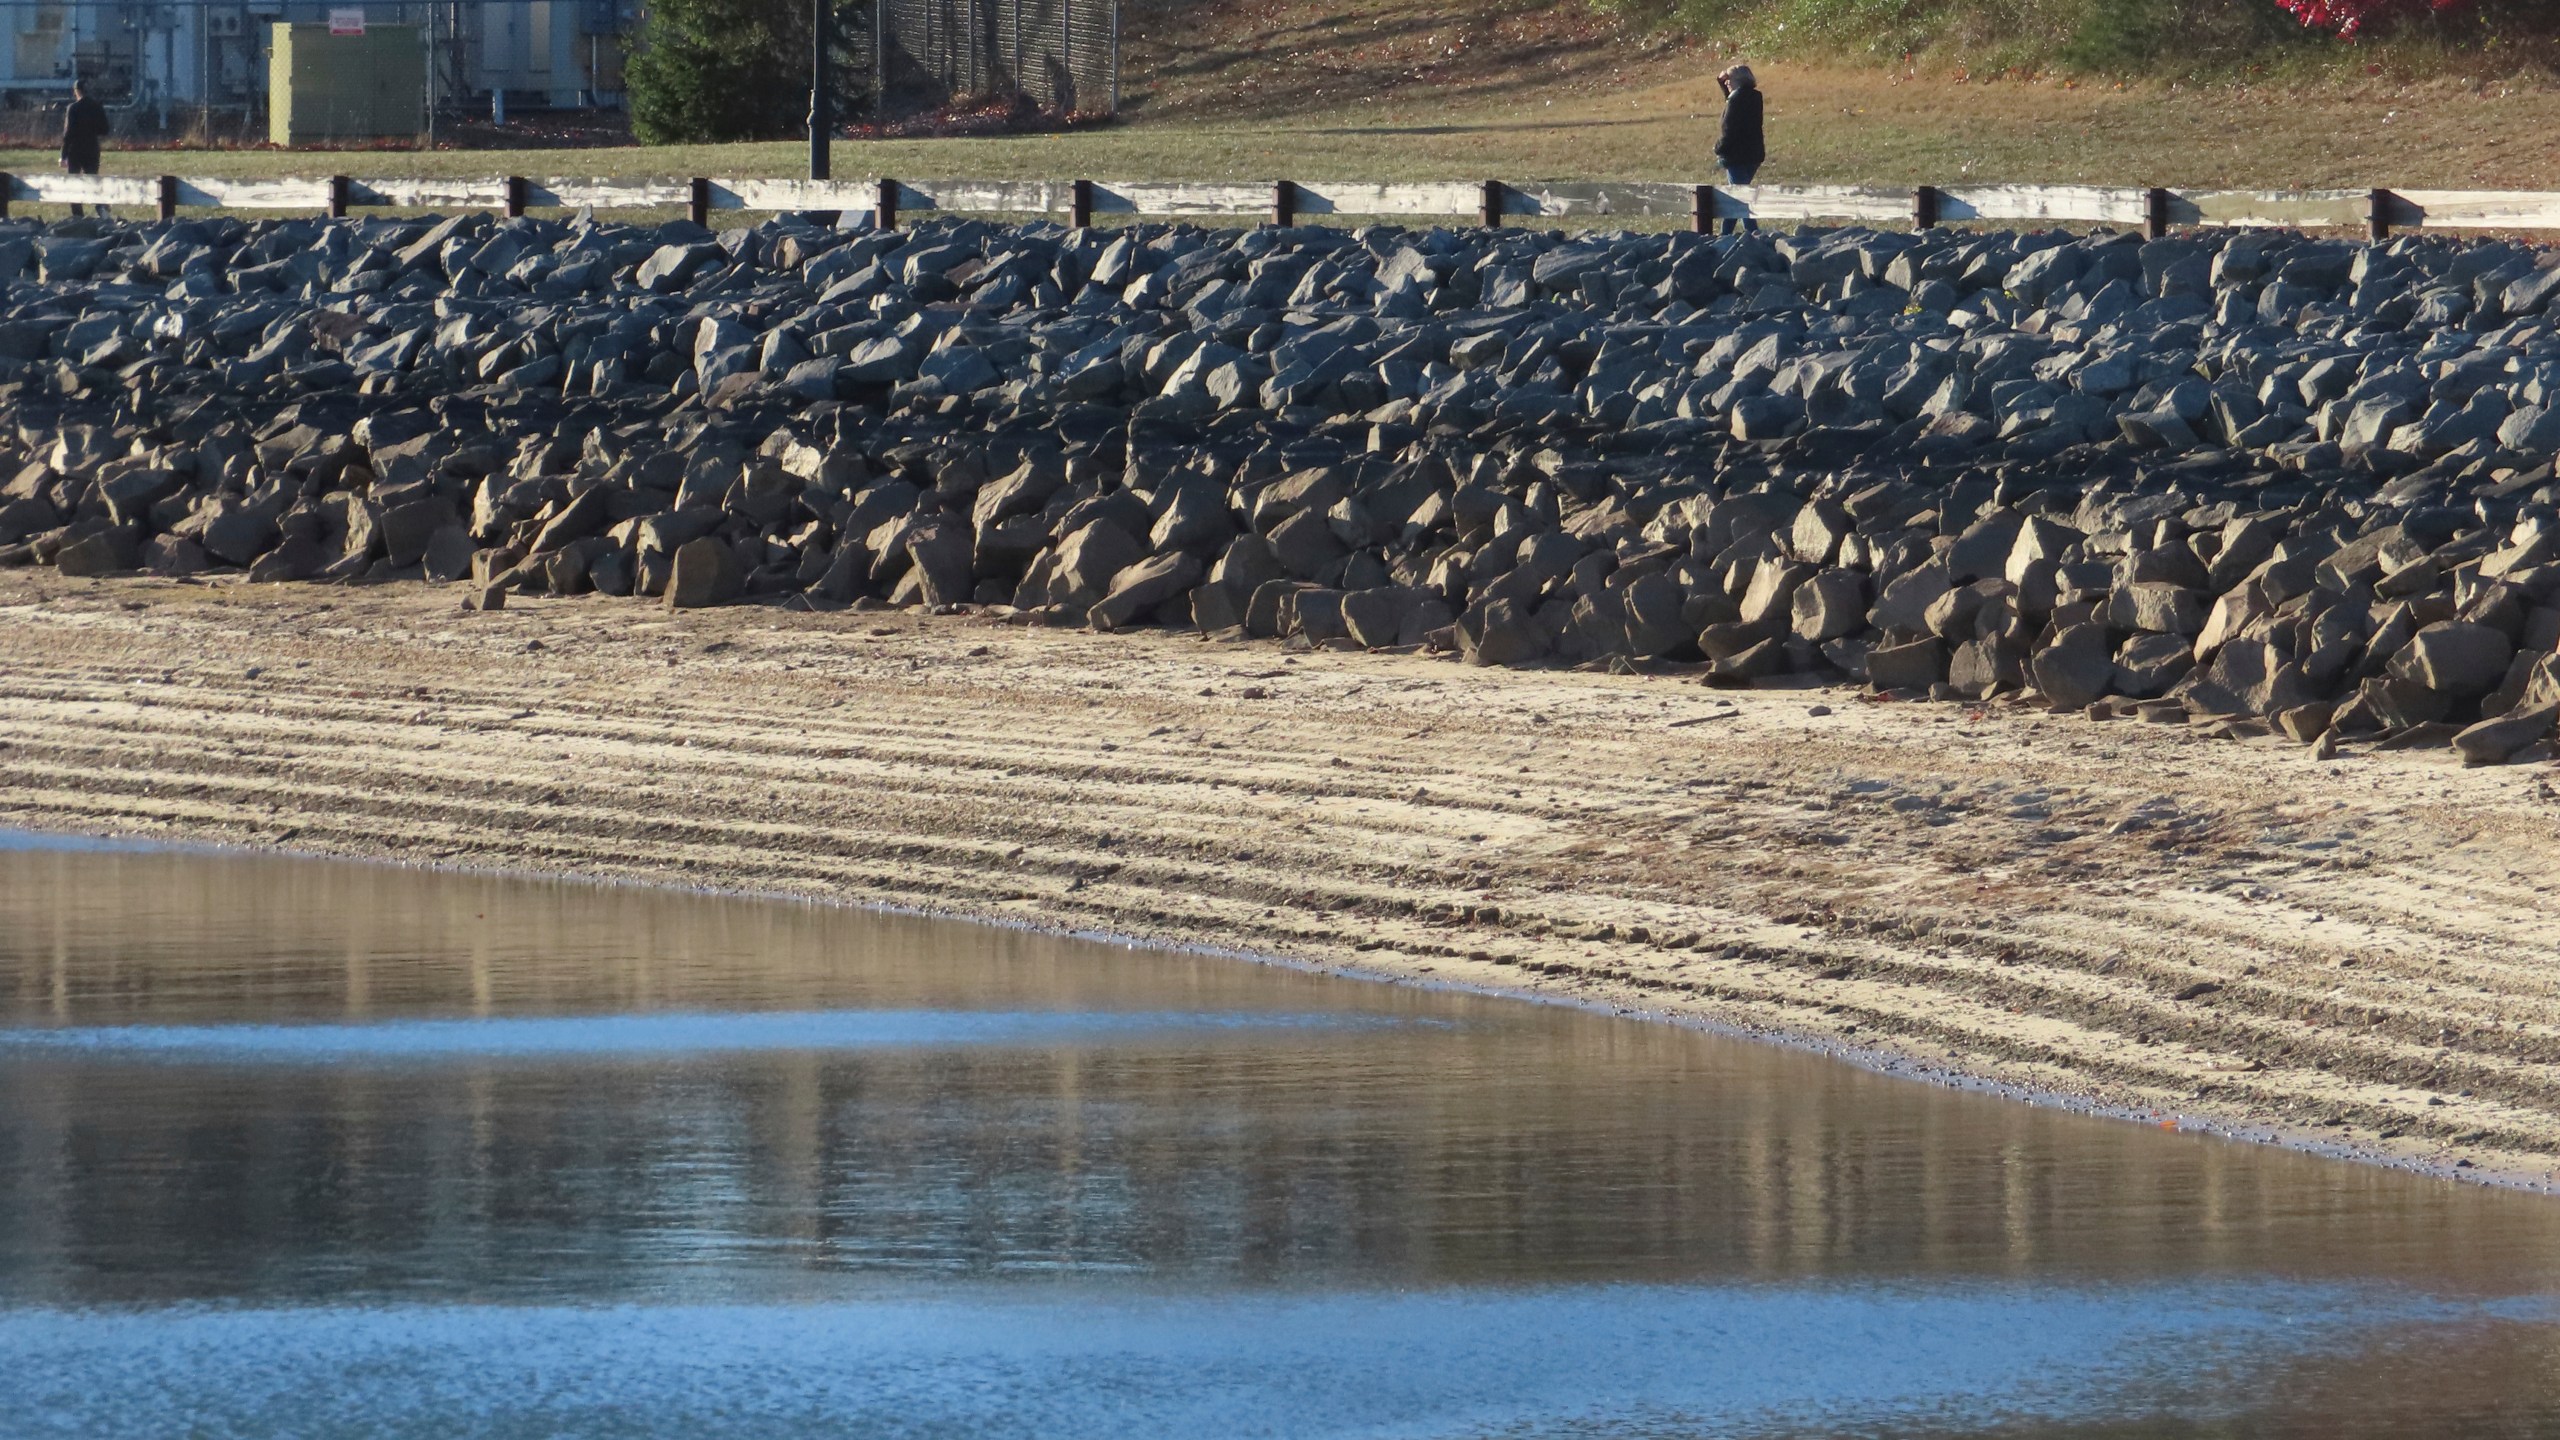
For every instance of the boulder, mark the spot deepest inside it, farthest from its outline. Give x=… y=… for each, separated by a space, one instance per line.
x=2074 y=669
x=1829 y=604
x=2155 y=607
x=706 y=572
x=1089 y=560
x=1981 y=668
x=2455 y=658
x=1499 y=632
x=1914 y=666
x=1139 y=589
x=2496 y=741
x=109 y=551
x=2148 y=664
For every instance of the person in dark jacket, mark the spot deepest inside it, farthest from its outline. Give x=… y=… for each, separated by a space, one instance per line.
x=1739 y=144
x=84 y=127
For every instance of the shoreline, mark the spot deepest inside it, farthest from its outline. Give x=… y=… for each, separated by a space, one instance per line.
x=1875 y=1061
x=97 y=721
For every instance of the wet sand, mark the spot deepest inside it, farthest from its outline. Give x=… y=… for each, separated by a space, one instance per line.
x=2358 y=955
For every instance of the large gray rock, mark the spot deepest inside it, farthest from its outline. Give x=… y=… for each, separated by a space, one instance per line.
x=2147 y=665
x=706 y=573
x=1138 y=590
x=2250 y=677
x=1903 y=607
x=1305 y=544
x=1915 y=666
x=2156 y=607
x=2074 y=669
x=2455 y=658
x=672 y=267
x=940 y=553
x=2496 y=741
x=237 y=532
x=1829 y=605
x=1089 y=560
x=1981 y=668
x=1499 y=632
x=109 y=551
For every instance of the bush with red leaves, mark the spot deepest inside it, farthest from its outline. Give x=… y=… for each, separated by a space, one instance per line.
x=2348 y=19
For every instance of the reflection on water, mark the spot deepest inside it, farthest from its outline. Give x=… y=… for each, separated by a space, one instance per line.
x=1593 y=1361
x=671 y=1038
x=298 y=1148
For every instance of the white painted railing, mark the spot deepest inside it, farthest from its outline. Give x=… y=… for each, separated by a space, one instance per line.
x=1488 y=202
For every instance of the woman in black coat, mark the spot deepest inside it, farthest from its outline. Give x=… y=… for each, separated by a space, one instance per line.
x=1739 y=144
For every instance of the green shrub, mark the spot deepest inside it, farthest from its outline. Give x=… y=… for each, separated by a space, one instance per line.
x=715 y=70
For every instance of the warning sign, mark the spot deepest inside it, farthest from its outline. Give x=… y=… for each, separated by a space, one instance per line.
x=346 y=22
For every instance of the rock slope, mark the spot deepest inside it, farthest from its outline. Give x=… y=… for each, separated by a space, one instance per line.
x=2258 y=479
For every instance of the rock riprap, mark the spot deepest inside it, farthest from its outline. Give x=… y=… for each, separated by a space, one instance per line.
x=2270 y=479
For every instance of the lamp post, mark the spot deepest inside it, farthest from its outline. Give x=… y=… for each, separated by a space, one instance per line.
x=821 y=109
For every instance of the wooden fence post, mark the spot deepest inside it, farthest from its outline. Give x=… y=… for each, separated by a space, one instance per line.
x=1284 y=203
x=8 y=189
x=1924 y=207
x=1080 y=204
x=1702 y=210
x=1491 y=205
x=884 y=209
x=697 y=201
x=2155 y=213
x=515 y=196
x=337 y=197
x=168 y=197
x=2378 y=216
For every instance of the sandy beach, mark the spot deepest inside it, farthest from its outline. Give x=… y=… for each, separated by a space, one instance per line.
x=2354 y=954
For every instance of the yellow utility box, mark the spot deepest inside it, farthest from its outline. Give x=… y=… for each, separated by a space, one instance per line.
x=345 y=80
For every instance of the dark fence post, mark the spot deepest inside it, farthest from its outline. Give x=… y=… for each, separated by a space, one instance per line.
x=168 y=197
x=337 y=197
x=884 y=210
x=1702 y=210
x=2155 y=213
x=2377 y=216
x=8 y=190
x=1491 y=205
x=1284 y=203
x=1924 y=207
x=1080 y=204
x=515 y=195
x=697 y=201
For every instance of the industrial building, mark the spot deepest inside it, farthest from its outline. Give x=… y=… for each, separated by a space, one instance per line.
x=160 y=65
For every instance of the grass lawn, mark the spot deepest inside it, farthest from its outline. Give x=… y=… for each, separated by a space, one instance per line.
x=1824 y=126
x=1549 y=90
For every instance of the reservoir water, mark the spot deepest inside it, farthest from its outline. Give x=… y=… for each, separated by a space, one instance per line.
x=296 y=1148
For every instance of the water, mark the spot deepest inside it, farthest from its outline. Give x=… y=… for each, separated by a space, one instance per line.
x=302 y=1149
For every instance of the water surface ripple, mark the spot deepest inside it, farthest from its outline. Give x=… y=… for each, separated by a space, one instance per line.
x=299 y=1149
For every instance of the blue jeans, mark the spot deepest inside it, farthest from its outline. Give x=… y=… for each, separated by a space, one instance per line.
x=1738 y=175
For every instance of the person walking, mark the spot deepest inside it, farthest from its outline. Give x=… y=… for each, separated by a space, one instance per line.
x=1740 y=147
x=84 y=128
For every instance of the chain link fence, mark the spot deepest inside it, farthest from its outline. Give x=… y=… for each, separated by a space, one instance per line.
x=1063 y=55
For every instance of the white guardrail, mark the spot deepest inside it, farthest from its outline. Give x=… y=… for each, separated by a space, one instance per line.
x=1285 y=202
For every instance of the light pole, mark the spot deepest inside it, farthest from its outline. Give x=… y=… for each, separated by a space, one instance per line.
x=821 y=109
